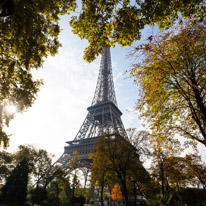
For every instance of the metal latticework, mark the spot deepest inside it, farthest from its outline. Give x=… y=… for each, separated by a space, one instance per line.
x=102 y=119
x=103 y=116
x=105 y=87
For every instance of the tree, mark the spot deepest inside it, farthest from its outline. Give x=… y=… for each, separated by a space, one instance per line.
x=171 y=74
x=173 y=173
x=65 y=189
x=27 y=37
x=6 y=165
x=49 y=183
x=196 y=168
x=161 y=168
x=15 y=190
x=105 y=23
x=42 y=173
x=116 y=193
x=74 y=166
x=121 y=159
x=194 y=196
x=45 y=171
x=101 y=175
x=85 y=169
x=140 y=139
x=42 y=170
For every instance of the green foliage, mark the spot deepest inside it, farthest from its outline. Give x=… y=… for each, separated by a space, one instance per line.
x=171 y=74
x=6 y=165
x=38 y=195
x=15 y=190
x=105 y=23
x=88 y=194
x=172 y=174
x=59 y=192
x=49 y=184
x=42 y=170
x=159 y=200
x=194 y=196
x=78 y=201
x=26 y=38
x=167 y=168
x=53 y=191
x=196 y=168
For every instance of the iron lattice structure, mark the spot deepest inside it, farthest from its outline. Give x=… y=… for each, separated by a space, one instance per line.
x=103 y=116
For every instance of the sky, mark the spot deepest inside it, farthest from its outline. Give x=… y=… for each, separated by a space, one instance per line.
x=69 y=86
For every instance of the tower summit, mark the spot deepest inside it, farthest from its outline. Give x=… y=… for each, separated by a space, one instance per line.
x=103 y=116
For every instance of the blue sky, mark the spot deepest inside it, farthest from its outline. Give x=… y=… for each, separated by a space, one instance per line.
x=69 y=86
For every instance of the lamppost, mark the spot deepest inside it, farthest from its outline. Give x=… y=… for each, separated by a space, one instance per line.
x=6 y=8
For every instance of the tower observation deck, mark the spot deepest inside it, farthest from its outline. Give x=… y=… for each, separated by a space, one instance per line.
x=103 y=116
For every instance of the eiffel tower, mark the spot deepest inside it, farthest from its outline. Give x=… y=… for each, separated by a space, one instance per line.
x=103 y=116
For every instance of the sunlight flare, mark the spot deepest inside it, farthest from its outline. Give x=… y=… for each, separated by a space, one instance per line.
x=11 y=109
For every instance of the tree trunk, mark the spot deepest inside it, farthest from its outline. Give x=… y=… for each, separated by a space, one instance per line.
x=101 y=197
x=135 y=195
x=162 y=177
x=125 y=193
x=102 y=192
x=74 y=184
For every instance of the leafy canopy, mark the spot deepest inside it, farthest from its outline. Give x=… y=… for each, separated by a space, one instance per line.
x=171 y=72
x=106 y=22
x=41 y=168
x=15 y=190
x=31 y=34
x=116 y=193
x=26 y=38
x=116 y=161
x=171 y=172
